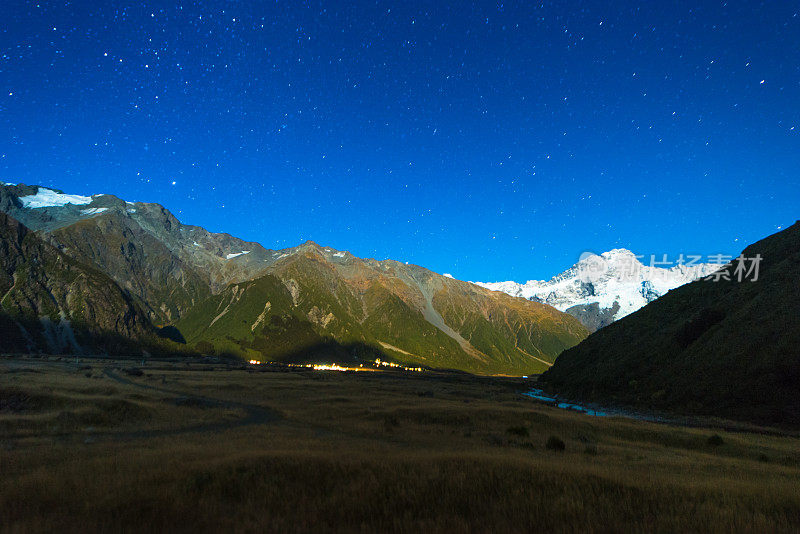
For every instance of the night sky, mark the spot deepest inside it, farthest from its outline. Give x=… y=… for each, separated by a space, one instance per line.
x=492 y=141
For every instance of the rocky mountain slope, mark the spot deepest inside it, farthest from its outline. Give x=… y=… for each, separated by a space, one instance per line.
x=226 y=296
x=601 y=289
x=52 y=303
x=317 y=300
x=726 y=347
x=166 y=265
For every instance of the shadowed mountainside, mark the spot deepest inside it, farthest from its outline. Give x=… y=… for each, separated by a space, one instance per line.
x=48 y=301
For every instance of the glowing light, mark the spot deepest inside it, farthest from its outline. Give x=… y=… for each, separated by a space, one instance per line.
x=330 y=367
x=381 y=363
x=336 y=367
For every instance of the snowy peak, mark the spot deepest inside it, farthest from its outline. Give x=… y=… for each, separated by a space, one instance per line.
x=602 y=288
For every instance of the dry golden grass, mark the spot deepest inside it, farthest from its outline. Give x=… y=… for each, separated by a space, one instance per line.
x=183 y=449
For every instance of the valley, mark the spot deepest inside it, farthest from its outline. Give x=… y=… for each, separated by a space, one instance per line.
x=191 y=445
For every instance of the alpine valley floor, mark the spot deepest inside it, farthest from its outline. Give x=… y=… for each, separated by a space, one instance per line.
x=114 y=445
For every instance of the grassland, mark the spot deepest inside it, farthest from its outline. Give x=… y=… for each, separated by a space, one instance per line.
x=95 y=445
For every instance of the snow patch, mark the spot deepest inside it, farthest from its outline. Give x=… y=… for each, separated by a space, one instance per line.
x=94 y=211
x=236 y=254
x=448 y=275
x=47 y=198
x=339 y=255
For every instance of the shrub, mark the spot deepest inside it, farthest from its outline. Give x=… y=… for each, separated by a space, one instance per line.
x=590 y=449
x=555 y=443
x=520 y=431
x=390 y=422
x=715 y=440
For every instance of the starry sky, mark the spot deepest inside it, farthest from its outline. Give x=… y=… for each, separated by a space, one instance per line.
x=489 y=140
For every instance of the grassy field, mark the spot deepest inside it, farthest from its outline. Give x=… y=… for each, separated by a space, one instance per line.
x=96 y=445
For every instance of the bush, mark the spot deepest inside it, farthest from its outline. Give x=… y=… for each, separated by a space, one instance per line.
x=520 y=431
x=590 y=449
x=390 y=422
x=555 y=443
x=715 y=440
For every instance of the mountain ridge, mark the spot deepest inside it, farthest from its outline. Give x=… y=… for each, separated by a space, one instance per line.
x=378 y=303
x=226 y=296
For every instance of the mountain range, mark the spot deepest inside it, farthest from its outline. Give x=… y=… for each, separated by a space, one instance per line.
x=600 y=289
x=212 y=293
x=97 y=274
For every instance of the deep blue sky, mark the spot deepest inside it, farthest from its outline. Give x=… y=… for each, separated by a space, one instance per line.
x=492 y=141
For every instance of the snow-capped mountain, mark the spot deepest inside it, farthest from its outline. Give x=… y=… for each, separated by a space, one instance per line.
x=601 y=289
